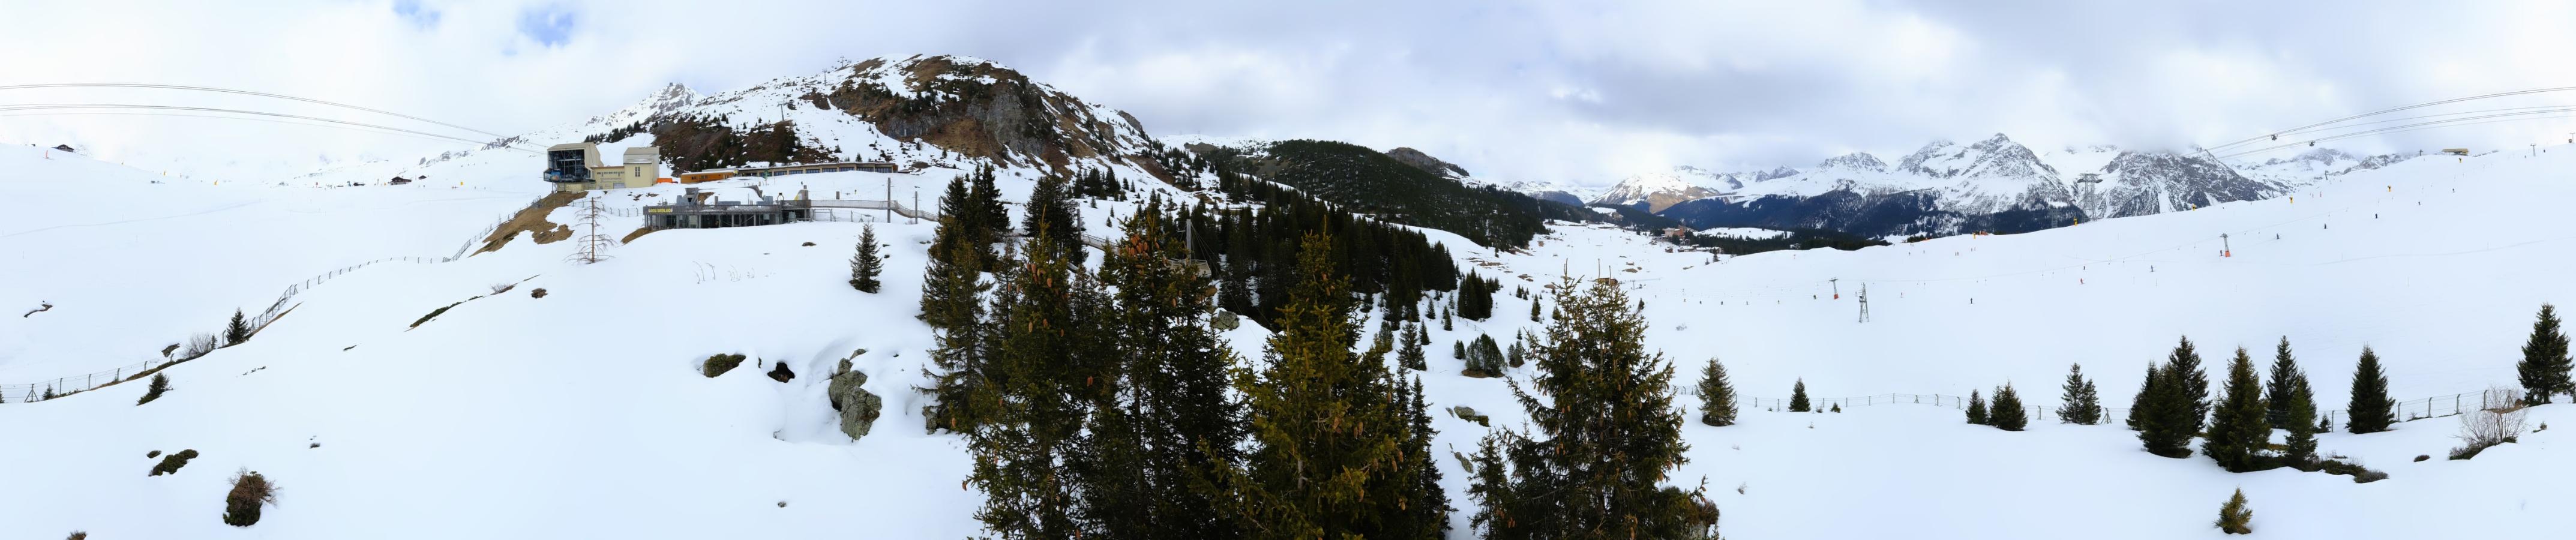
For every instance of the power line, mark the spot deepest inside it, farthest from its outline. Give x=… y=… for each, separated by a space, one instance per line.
x=247 y=93
x=2276 y=133
x=178 y=115
x=2466 y=121
x=61 y=106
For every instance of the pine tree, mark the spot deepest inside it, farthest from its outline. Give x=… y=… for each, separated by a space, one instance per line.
x=1534 y=311
x=2239 y=432
x=2371 y=410
x=2008 y=414
x=2082 y=404
x=2300 y=448
x=985 y=202
x=2288 y=388
x=2544 y=366
x=1484 y=358
x=2184 y=365
x=1977 y=409
x=866 y=264
x=1444 y=320
x=952 y=304
x=237 y=331
x=2140 y=409
x=1798 y=396
x=1163 y=423
x=2235 y=517
x=1318 y=468
x=2170 y=407
x=1030 y=414
x=2165 y=419
x=160 y=383
x=1716 y=395
x=1605 y=435
x=1518 y=355
x=1409 y=354
x=1424 y=509
x=1458 y=350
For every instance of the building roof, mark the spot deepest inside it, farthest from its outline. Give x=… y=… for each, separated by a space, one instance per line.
x=574 y=146
x=647 y=150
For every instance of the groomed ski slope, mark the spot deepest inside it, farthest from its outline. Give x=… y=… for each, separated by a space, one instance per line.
x=582 y=414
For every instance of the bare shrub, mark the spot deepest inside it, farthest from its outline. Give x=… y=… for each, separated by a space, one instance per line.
x=199 y=345
x=2482 y=429
x=250 y=492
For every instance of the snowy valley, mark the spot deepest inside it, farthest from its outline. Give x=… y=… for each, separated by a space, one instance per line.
x=446 y=364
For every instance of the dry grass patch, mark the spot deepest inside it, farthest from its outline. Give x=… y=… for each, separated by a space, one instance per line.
x=532 y=220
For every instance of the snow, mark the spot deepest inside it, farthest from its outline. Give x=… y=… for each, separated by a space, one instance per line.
x=1749 y=233
x=582 y=414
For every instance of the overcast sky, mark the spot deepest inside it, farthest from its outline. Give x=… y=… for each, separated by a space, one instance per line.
x=1585 y=91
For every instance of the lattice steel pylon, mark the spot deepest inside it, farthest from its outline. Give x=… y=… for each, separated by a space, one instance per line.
x=1864 y=302
x=591 y=241
x=2087 y=185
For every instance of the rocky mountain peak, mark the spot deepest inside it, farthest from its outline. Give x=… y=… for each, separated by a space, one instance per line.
x=1857 y=161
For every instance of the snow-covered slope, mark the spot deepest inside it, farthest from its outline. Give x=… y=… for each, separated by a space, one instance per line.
x=581 y=414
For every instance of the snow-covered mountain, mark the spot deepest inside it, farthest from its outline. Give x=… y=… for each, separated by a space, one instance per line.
x=1658 y=190
x=1553 y=190
x=919 y=112
x=1996 y=185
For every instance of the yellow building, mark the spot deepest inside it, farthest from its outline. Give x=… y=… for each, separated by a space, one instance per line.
x=576 y=167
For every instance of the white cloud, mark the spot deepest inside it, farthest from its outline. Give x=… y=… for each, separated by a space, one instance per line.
x=1520 y=90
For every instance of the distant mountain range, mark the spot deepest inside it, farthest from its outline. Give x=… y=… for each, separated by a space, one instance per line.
x=1994 y=185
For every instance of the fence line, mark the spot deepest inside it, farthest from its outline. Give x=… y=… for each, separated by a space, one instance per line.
x=63 y=386
x=2406 y=411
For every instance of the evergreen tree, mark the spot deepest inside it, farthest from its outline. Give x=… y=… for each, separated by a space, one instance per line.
x=2300 y=448
x=2184 y=366
x=985 y=202
x=1977 y=409
x=2140 y=408
x=952 y=304
x=1534 y=311
x=1798 y=396
x=1424 y=509
x=866 y=264
x=1163 y=425
x=2544 y=366
x=2165 y=415
x=1410 y=354
x=2008 y=414
x=2371 y=410
x=2239 y=432
x=1052 y=211
x=237 y=331
x=2288 y=387
x=1458 y=350
x=1484 y=358
x=2082 y=404
x=1518 y=355
x=1605 y=435
x=2234 y=517
x=1029 y=398
x=1716 y=395
x=1324 y=463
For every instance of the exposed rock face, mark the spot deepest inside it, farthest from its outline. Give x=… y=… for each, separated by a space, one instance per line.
x=859 y=408
x=1425 y=162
